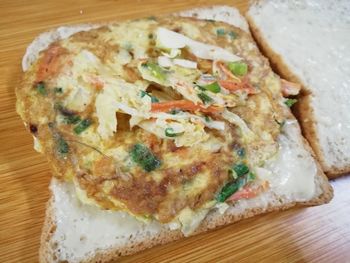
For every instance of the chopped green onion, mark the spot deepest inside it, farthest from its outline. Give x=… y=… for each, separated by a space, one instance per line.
x=157 y=71
x=220 y=32
x=58 y=90
x=82 y=126
x=241 y=152
x=207 y=118
x=72 y=119
x=290 y=102
x=204 y=97
x=40 y=87
x=143 y=156
x=229 y=189
x=213 y=87
x=153 y=99
x=240 y=169
x=169 y=132
x=62 y=146
x=232 y=187
x=232 y=34
x=238 y=68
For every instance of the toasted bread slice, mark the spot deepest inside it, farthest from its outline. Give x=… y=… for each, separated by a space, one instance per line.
x=76 y=232
x=308 y=43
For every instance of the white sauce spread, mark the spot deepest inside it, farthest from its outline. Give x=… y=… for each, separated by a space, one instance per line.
x=292 y=172
x=81 y=229
x=313 y=38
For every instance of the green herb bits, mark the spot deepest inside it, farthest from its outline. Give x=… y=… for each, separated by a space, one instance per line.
x=62 y=146
x=169 y=132
x=144 y=157
x=220 y=32
x=290 y=102
x=41 y=88
x=204 y=98
x=82 y=126
x=238 y=68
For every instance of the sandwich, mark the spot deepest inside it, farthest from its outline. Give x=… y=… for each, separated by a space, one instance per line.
x=307 y=43
x=159 y=128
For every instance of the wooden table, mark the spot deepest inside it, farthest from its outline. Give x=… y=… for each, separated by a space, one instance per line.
x=318 y=234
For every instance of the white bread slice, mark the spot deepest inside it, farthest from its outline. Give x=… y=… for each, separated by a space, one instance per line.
x=75 y=232
x=308 y=42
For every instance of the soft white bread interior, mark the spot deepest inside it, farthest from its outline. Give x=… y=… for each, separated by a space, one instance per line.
x=75 y=232
x=308 y=42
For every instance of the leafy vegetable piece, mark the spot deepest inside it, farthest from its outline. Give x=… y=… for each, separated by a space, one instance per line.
x=238 y=68
x=204 y=97
x=169 y=132
x=232 y=187
x=240 y=169
x=58 y=90
x=290 y=102
x=143 y=156
x=40 y=87
x=150 y=35
x=82 y=126
x=157 y=71
x=153 y=99
x=220 y=32
x=72 y=119
x=62 y=146
x=213 y=87
x=232 y=34
x=241 y=152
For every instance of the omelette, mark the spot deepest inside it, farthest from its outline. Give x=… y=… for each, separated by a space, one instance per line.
x=165 y=118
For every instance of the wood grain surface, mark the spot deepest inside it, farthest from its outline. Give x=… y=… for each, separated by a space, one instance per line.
x=315 y=234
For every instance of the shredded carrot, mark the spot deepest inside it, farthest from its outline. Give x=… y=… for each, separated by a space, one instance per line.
x=248 y=192
x=183 y=105
x=244 y=193
x=49 y=64
x=235 y=86
x=231 y=85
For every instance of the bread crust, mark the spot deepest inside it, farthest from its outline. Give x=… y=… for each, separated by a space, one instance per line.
x=303 y=109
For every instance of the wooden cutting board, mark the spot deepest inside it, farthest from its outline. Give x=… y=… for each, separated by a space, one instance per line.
x=317 y=234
